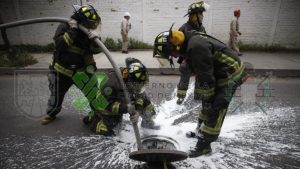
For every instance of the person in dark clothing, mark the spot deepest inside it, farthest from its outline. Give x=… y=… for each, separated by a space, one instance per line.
x=218 y=71
x=73 y=52
x=195 y=12
x=135 y=76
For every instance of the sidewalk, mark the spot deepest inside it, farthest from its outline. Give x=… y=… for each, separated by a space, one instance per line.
x=280 y=64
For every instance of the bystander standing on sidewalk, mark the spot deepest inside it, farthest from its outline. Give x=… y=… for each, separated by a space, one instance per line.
x=235 y=32
x=125 y=27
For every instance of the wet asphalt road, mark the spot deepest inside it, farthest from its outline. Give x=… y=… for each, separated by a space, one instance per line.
x=261 y=129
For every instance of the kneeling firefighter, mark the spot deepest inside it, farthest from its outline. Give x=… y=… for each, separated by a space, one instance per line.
x=135 y=76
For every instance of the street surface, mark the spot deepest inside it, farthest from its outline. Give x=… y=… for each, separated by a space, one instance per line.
x=261 y=129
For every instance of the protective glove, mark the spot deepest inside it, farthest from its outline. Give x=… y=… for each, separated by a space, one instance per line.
x=92 y=35
x=134 y=117
x=73 y=24
x=179 y=101
x=133 y=114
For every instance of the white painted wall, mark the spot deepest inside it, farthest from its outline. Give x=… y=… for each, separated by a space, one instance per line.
x=262 y=21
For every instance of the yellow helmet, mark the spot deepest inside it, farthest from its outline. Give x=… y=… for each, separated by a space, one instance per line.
x=162 y=45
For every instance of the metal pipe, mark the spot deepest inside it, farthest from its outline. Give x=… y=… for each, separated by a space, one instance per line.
x=4 y=37
x=131 y=108
x=34 y=20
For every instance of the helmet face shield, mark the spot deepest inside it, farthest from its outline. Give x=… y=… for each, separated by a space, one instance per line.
x=137 y=73
x=92 y=24
x=163 y=61
x=137 y=77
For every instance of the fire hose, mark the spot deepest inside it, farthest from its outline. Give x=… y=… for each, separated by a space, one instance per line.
x=131 y=109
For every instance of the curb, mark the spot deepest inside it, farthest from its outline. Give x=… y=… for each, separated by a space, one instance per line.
x=163 y=71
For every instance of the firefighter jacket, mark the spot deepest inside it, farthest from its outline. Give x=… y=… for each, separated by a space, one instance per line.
x=73 y=50
x=214 y=64
x=188 y=26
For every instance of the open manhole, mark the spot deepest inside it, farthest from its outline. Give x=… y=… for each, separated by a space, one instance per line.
x=157 y=149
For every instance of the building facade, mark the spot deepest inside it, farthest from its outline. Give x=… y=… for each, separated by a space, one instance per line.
x=269 y=22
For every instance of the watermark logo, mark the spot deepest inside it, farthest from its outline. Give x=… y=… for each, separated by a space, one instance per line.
x=255 y=94
x=33 y=98
x=91 y=88
x=31 y=93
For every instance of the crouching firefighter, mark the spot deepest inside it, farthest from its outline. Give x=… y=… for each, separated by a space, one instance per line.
x=135 y=76
x=218 y=71
x=73 y=52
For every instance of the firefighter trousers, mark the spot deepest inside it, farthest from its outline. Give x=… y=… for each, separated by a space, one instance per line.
x=211 y=120
x=59 y=84
x=183 y=85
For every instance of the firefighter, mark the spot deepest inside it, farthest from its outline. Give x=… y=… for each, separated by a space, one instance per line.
x=73 y=52
x=195 y=12
x=218 y=72
x=235 y=32
x=135 y=76
x=125 y=27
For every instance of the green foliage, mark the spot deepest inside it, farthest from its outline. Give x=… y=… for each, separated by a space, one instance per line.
x=112 y=45
x=115 y=45
x=265 y=48
x=17 y=58
x=33 y=48
x=136 y=44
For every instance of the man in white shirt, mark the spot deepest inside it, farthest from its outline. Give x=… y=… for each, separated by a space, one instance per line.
x=235 y=32
x=125 y=27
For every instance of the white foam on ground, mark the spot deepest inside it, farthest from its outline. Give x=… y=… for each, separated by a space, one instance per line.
x=101 y=152
x=234 y=125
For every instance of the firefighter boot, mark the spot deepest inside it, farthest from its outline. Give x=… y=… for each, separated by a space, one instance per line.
x=89 y=118
x=202 y=147
x=191 y=134
x=47 y=120
x=86 y=120
x=99 y=127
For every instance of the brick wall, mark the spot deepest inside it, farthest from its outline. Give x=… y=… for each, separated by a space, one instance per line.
x=262 y=21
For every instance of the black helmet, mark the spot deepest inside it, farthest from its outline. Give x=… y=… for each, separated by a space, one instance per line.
x=197 y=7
x=137 y=72
x=162 y=45
x=88 y=16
